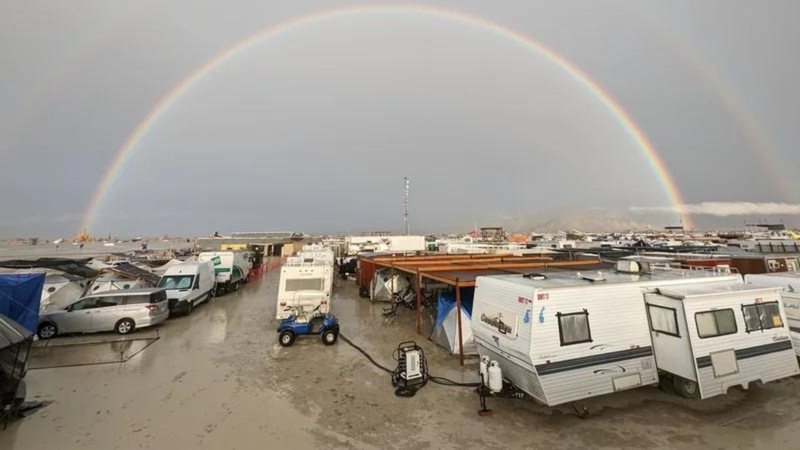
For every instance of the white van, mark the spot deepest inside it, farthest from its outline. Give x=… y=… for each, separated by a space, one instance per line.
x=231 y=268
x=188 y=284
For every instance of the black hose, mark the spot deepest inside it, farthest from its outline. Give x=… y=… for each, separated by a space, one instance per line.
x=363 y=352
x=442 y=381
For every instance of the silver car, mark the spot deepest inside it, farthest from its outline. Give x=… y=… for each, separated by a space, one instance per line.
x=121 y=311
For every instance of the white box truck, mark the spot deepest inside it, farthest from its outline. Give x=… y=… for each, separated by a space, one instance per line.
x=230 y=268
x=188 y=284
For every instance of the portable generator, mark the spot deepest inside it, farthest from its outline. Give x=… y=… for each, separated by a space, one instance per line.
x=411 y=373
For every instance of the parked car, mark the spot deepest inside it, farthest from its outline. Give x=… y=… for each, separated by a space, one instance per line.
x=122 y=311
x=188 y=284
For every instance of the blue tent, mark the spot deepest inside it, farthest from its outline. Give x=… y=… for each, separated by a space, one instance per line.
x=445 y=329
x=20 y=296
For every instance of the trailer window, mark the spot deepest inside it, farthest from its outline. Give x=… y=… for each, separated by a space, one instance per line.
x=663 y=319
x=573 y=328
x=715 y=323
x=762 y=316
x=304 y=284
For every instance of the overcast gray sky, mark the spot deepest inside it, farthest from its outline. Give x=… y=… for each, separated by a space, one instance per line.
x=313 y=130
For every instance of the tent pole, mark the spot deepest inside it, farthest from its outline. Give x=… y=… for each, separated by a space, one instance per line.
x=419 y=303
x=460 y=339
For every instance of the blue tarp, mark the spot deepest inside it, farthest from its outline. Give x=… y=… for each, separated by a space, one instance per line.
x=20 y=296
x=447 y=301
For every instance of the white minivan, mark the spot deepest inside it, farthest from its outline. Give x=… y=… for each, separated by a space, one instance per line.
x=188 y=284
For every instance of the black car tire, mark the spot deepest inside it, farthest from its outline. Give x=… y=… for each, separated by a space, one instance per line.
x=125 y=326
x=286 y=338
x=50 y=325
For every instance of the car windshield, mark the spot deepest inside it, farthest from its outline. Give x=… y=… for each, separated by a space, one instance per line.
x=176 y=282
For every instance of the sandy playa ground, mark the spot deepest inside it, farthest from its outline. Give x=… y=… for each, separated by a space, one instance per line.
x=219 y=380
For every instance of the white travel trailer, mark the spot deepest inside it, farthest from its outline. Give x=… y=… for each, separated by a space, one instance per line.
x=790 y=282
x=565 y=336
x=709 y=337
x=188 y=284
x=231 y=268
x=307 y=279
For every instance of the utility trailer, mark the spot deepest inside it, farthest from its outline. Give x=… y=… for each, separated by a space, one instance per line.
x=563 y=336
x=304 y=279
x=790 y=282
x=710 y=337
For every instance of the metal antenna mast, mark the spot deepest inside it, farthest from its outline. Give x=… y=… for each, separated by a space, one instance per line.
x=405 y=193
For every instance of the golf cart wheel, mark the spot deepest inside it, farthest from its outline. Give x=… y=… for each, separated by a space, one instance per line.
x=286 y=338
x=47 y=330
x=686 y=388
x=124 y=326
x=329 y=337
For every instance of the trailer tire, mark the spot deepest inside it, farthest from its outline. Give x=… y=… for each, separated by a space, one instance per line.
x=286 y=338
x=329 y=337
x=686 y=388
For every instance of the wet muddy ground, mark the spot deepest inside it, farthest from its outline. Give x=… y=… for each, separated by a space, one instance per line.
x=218 y=380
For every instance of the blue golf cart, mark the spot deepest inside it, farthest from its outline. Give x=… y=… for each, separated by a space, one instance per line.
x=326 y=326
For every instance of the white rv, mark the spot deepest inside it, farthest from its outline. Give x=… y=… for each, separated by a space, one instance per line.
x=709 y=337
x=318 y=253
x=231 y=268
x=306 y=278
x=188 y=284
x=790 y=282
x=564 y=336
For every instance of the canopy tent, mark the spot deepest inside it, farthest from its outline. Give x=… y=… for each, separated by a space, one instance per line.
x=386 y=283
x=20 y=297
x=66 y=265
x=445 y=328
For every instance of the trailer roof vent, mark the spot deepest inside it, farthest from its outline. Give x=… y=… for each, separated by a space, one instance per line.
x=594 y=277
x=535 y=276
x=628 y=266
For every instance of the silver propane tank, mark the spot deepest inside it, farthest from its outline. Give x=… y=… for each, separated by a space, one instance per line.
x=484 y=364
x=495 y=382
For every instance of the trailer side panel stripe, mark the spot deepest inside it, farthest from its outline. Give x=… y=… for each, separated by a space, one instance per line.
x=594 y=360
x=750 y=352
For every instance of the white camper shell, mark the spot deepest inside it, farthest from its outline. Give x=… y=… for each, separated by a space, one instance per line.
x=302 y=281
x=790 y=282
x=231 y=268
x=188 y=284
x=565 y=336
x=713 y=336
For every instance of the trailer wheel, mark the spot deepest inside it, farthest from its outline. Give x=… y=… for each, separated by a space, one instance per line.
x=686 y=388
x=329 y=337
x=286 y=338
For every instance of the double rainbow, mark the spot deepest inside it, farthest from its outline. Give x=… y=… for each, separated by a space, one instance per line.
x=656 y=163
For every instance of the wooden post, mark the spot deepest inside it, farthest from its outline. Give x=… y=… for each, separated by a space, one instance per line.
x=419 y=303
x=460 y=336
